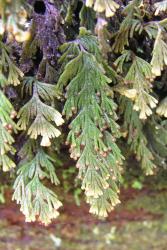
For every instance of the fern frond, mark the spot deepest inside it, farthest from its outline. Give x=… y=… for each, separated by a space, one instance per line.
x=103 y=36
x=122 y=60
x=92 y=109
x=9 y=74
x=87 y=17
x=151 y=30
x=36 y=200
x=136 y=137
x=131 y=24
x=7 y=67
x=109 y=199
x=159 y=54
x=160 y=7
x=36 y=116
x=157 y=138
x=46 y=91
x=139 y=78
x=162 y=108
x=109 y=6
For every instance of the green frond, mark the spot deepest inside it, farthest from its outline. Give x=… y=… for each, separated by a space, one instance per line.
x=139 y=78
x=9 y=75
x=6 y=162
x=36 y=200
x=92 y=109
x=38 y=118
x=46 y=91
x=159 y=54
x=7 y=127
x=157 y=138
x=151 y=30
x=41 y=126
x=121 y=60
x=87 y=17
x=27 y=151
x=136 y=137
x=130 y=25
x=106 y=202
x=104 y=82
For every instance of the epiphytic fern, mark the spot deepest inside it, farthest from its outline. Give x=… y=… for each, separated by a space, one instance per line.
x=92 y=129
x=9 y=75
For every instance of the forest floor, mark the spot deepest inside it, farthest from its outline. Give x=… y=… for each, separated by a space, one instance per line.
x=139 y=223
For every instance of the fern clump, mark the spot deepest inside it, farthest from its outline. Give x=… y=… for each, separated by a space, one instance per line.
x=94 y=93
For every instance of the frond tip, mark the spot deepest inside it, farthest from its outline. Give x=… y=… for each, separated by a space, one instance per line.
x=162 y=108
x=36 y=200
x=159 y=54
x=109 y=6
x=160 y=7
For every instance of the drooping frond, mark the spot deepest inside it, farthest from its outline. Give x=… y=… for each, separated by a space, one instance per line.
x=87 y=17
x=159 y=54
x=9 y=72
x=136 y=137
x=37 y=117
x=37 y=201
x=131 y=24
x=139 y=78
x=9 y=75
x=162 y=108
x=93 y=128
x=156 y=130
